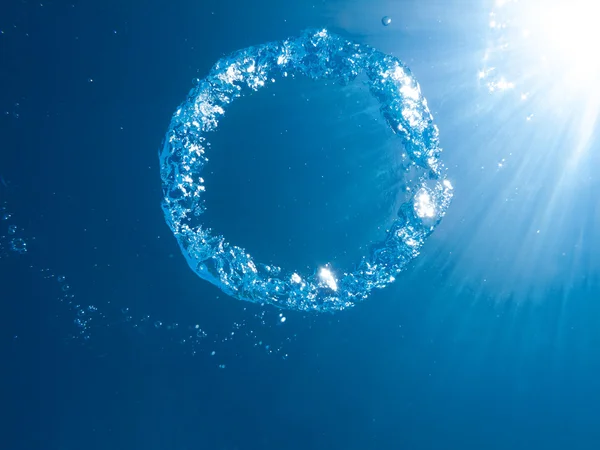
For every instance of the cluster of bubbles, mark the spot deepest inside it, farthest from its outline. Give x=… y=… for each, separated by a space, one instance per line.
x=15 y=243
x=88 y=320
x=317 y=55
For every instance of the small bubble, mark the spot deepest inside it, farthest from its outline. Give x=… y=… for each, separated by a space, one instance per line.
x=66 y=287
x=6 y=216
x=61 y=279
x=386 y=20
x=12 y=229
x=213 y=353
x=158 y=324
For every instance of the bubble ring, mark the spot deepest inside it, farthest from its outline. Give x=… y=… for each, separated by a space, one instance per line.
x=316 y=54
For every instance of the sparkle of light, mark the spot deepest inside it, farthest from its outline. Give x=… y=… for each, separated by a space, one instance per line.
x=327 y=277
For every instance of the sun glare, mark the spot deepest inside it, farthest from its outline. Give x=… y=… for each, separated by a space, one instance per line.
x=541 y=69
x=544 y=41
x=545 y=52
x=566 y=35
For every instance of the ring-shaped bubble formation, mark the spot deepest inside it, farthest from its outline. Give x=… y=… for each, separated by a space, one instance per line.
x=316 y=54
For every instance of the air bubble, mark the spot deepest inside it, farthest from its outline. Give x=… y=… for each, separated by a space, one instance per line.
x=318 y=55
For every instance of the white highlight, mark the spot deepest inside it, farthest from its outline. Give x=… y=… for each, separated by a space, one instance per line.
x=327 y=277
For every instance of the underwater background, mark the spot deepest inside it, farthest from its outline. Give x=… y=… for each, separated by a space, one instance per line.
x=489 y=339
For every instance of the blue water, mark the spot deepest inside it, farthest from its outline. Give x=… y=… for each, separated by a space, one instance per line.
x=487 y=339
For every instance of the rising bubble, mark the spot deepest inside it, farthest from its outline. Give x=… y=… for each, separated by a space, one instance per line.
x=318 y=55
